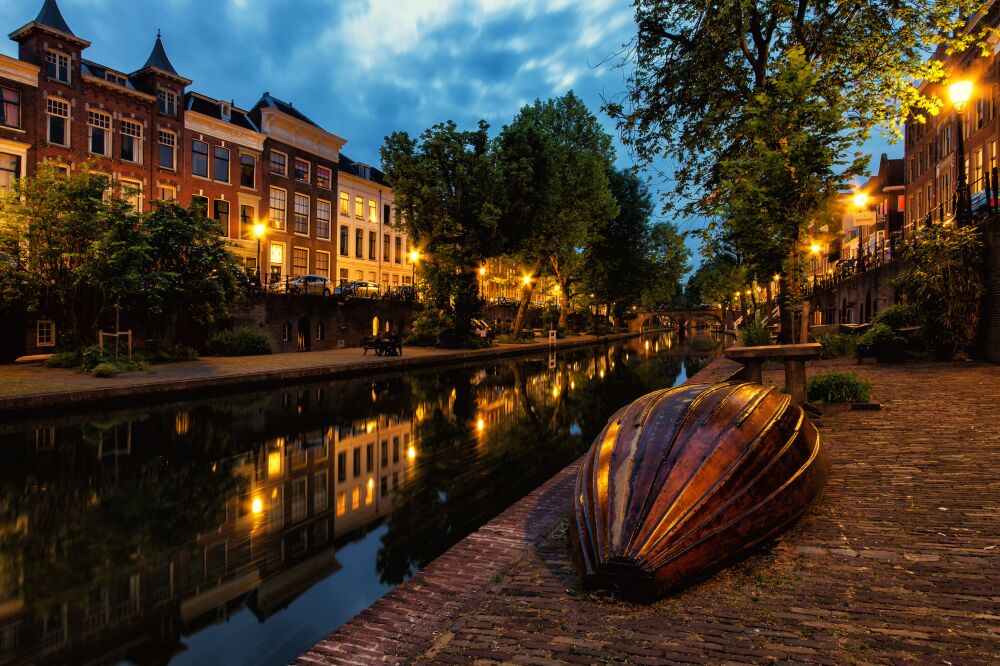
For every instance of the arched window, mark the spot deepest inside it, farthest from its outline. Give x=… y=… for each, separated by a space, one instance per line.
x=286 y=331
x=374 y=325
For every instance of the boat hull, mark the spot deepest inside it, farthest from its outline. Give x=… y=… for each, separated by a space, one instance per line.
x=684 y=481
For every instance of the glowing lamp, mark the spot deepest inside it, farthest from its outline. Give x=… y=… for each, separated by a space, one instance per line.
x=414 y=256
x=860 y=199
x=256 y=506
x=959 y=92
x=259 y=230
x=814 y=248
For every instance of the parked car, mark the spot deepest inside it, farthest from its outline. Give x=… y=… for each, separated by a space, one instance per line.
x=360 y=289
x=401 y=293
x=310 y=284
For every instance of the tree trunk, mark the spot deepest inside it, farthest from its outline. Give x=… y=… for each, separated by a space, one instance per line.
x=784 y=312
x=522 y=308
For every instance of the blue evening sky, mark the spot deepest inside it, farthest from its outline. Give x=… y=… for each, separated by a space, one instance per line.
x=362 y=69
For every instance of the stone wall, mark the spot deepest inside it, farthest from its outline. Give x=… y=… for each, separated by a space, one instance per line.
x=307 y=323
x=858 y=298
x=990 y=327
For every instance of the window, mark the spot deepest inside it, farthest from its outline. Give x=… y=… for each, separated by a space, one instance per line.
x=278 y=198
x=168 y=150
x=359 y=242
x=277 y=257
x=116 y=78
x=279 y=163
x=302 y=168
x=300 y=214
x=399 y=250
x=58 y=113
x=10 y=108
x=286 y=331
x=345 y=203
x=45 y=333
x=356 y=462
x=57 y=66
x=131 y=141
x=385 y=248
x=372 y=212
x=359 y=207
x=323 y=263
x=342 y=466
x=132 y=192
x=247 y=214
x=324 y=177
x=300 y=261
x=406 y=254
x=199 y=158
x=168 y=102
x=10 y=169
x=343 y=276
x=320 y=331
x=198 y=201
x=221 y=215
x=221 y=164
x=323 y=212
x=372 y=239
x=248 y=170
x=166 y=193
x=386 y=212
x=369 y=458
x=343 y=241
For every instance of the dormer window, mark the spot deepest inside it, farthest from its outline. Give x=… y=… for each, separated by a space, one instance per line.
x=57 y=66
x=168 y=103
x=115 y=78
x=226 y=111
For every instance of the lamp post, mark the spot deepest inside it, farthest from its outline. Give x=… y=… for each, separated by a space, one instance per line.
x=414 y=258
x=482 y=279
x=960 y=92
x=258 y=231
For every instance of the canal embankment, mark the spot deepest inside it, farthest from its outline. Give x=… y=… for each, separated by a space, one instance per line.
x=896 y=561
x=34 y=388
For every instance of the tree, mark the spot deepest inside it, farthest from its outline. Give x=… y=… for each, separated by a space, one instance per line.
x=668 y=260
x=717 y=279
x=553 y=160
x=73 y=254
x=787 y=177
x=443 y=188
x=697 y=66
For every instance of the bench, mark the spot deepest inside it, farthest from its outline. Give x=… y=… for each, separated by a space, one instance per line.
x=793 y=356
x=383 y=346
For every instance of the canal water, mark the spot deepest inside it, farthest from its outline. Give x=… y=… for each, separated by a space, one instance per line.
x=242 y=530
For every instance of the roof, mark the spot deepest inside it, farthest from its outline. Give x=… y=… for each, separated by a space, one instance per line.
x=159 y=62
x=101 y=72
x=894 y=171
x=268 y=100
x=212 y=108
x=347 y=165
x=50 y=18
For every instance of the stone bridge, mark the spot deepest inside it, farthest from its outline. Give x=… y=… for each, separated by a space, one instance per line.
x=667 y=315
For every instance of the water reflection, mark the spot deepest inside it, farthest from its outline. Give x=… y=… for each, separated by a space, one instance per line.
x=244 y=529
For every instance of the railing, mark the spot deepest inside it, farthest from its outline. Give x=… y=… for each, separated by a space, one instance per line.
x=344 y=290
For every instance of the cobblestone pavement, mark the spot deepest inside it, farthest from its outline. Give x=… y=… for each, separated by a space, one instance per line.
x=897 y=562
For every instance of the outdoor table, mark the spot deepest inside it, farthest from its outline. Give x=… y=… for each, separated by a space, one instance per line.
x=794 y=357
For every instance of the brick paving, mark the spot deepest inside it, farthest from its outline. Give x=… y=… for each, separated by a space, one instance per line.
x=897 y=561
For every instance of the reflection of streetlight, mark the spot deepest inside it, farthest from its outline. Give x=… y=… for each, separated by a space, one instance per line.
x=411 y=453
x=258 y=231
x=480 y=425
x=256 y=506
x=960 y=92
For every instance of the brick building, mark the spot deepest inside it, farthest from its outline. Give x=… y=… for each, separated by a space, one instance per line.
x=156 y=139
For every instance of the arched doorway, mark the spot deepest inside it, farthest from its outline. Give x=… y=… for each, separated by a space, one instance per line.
x=303 y=341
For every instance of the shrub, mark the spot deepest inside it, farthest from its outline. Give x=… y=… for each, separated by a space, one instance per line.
x=897 y=316
x=755 y=334
x=877 y=334
x=93 y=356
x=837 y=344
x=64 y=360
x=105 y=370
x=239 y=342
x=838 y=387
x=173 y=353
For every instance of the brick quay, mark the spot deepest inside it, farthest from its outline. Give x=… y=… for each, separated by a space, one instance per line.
x=897 y=562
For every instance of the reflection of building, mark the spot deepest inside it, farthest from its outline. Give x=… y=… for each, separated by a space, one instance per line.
x=298 y=495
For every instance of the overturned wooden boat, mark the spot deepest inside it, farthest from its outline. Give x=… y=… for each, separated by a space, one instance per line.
x=686 y=480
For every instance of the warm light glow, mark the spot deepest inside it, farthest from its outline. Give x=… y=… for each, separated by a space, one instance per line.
x=526 y=280
x=556 y=289
x=960 y=92
x=647 y=345
x=480 y=425
x=860 y=199
x=274 y=463
x=259 y=230
x=814 y=248
x=482 y=270
x=602 y=374
x=572 y=386
x=777 y=277
x=256 y=506
x=411 y=453
x=414 y=256
x=736 y=294
x=555 y=391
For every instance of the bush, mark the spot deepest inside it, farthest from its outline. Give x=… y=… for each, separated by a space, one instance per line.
x=173 y=354
x=755 y=334
x=64 y=360
x=897 y=316
x=877 y=334
x=105 y=370
x=239 y=342
x=838 y=387
x=837 y=344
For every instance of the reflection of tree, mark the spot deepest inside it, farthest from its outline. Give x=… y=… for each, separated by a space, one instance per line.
x=461 y=480
x=83 y=516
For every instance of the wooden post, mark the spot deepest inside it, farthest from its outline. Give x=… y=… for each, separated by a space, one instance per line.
x=795 y=379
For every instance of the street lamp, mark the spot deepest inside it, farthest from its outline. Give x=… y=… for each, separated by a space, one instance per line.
x=814 y=251
x=414 y=258
x=482 y=276
x=960 y=92
x=258 y=231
